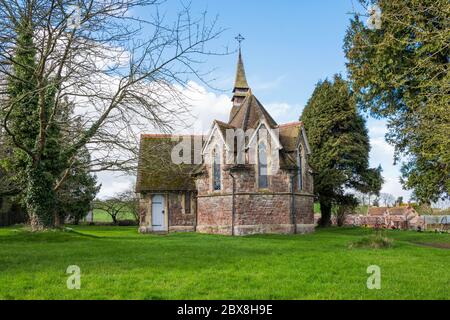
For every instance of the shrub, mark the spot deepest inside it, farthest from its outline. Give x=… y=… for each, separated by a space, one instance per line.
x=374 y=241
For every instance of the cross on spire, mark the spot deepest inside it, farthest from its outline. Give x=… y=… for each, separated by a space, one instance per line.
x=239 y=39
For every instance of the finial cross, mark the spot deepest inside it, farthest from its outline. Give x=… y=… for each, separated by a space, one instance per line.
x=239 y=39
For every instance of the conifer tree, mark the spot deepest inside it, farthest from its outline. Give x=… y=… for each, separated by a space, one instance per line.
x=339 y=146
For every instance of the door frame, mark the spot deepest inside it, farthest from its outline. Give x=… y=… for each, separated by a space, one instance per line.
x=165 y=212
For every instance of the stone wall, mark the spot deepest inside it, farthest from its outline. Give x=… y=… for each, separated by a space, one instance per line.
x=178 y=218
x=256 y=211
x=214 y=214
x=304 y=208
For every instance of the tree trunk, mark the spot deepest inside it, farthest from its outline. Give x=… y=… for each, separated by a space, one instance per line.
x=114 y=219
x=40 y=199
x=325 y=209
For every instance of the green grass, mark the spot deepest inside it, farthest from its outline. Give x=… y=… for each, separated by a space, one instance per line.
x=119 y=263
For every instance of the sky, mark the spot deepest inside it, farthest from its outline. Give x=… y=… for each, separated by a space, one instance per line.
x=289 y=46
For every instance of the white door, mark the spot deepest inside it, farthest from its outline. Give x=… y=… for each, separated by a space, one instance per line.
x=158 y=220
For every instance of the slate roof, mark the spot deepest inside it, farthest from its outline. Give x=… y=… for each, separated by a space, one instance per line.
x=249 y=114
x=377 y=211
x=289 y=133
x=156 y=171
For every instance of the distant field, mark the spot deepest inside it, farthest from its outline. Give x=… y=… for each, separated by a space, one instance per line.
x=101 y=216
x=119 y=263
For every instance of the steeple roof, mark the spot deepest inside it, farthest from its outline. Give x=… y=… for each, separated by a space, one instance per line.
x=249 y=114
x=241 y=80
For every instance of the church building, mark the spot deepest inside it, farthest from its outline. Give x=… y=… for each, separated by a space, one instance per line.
x=251 y=175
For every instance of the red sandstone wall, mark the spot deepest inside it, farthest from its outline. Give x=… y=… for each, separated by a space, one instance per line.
x=304 y=208
x=177 y=217
x=262 y=209
x=214 y=211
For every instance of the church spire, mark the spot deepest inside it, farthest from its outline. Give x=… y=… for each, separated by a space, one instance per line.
x=241 y=87
x=241 y=80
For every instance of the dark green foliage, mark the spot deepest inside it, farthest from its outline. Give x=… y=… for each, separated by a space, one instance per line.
x=400 y=72
x=38 y=157
x=23 y=122
x=340 y=146
x=75 y=197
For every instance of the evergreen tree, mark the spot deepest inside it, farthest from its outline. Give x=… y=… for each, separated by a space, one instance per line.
x=38 y=172
x=399 y=71
x=75 y=197
x=35 y=172
x=339 y=146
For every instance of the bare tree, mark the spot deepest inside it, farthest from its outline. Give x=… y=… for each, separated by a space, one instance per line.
x=387 y=199
x=115 y=207
x=131 y=200
x=122 y=73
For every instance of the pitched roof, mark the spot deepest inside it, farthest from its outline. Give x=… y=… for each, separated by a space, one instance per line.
x=249 y=114
x=398 y=211
x=289 y=134
x=156 y=170
x=241 y=80
x=223 y=127
x=377 y=211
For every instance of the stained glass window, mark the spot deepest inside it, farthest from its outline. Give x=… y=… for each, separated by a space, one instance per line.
x=216 y=169
x=187 y=203
x=262 y=166
x=300 y=168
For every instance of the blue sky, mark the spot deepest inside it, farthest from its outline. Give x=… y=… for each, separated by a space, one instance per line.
x=290 y=46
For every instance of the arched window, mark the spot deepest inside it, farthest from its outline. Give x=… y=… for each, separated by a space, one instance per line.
x=216 y=170
x=300 y=168
x=263 y=181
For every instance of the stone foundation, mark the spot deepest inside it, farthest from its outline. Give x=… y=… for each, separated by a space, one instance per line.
x=181 y=229
x=223 y=230
x=244 y=230
x=263 y=229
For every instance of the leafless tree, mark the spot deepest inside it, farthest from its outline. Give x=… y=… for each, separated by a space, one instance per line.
x=387 y=199
x=115 y=207
x=132 y=202
x=123 y=73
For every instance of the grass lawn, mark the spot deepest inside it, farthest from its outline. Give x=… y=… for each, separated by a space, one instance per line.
x=119 y=263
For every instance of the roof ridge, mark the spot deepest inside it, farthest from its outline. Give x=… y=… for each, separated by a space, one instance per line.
x=224 y=124
x=247 y=95
x=265 y=112
x=290 y=124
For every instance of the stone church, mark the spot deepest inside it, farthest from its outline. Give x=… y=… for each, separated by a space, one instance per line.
x=251 y=175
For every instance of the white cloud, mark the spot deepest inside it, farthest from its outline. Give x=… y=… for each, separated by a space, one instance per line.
x=113 y=183
x=382 y=154
x=205 y=107
x=284 y=112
